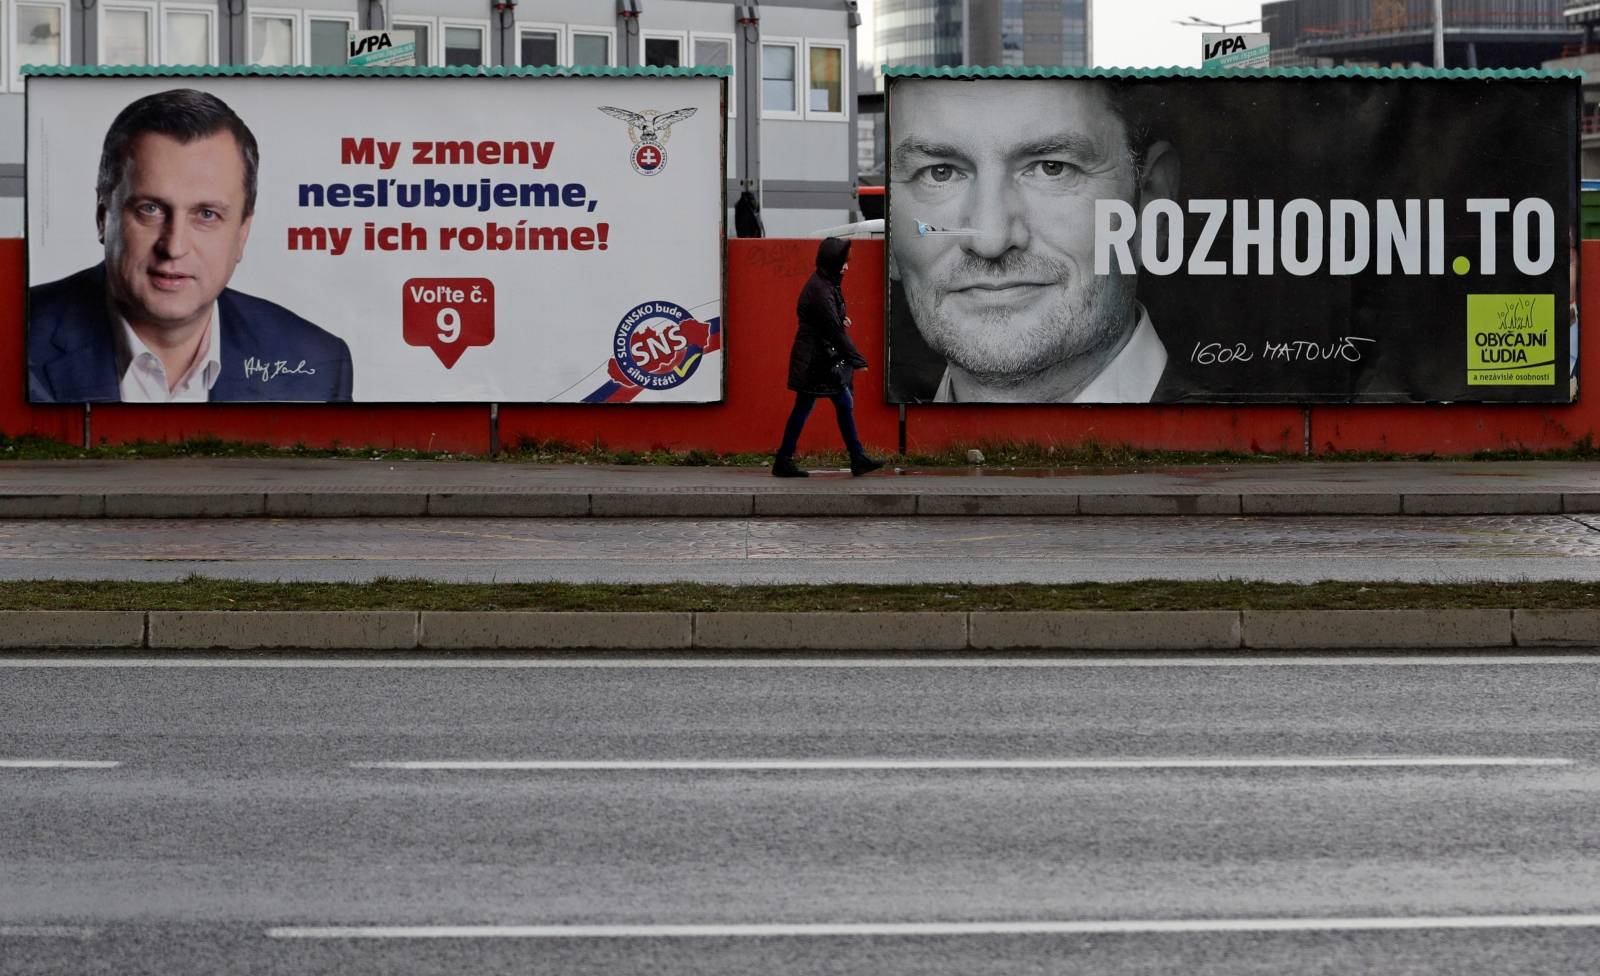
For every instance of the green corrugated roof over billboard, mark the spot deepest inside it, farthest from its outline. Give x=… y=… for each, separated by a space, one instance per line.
x=342 y=71
x=1461 y=74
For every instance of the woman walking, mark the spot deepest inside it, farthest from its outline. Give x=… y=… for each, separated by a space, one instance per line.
x=822 y=360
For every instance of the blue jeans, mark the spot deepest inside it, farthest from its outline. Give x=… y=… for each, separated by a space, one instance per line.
x=843 y=410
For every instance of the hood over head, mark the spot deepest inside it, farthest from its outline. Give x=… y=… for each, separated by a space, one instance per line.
x=832 y=253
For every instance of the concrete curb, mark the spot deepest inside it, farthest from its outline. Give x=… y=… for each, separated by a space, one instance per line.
x=1160 y=504
x=1375 y=629
x=521 y=504
x=1556 y=628
x=52 y=506
x=925 y=632
x=75 y=629
x=1529 y=503
x=1280 y=503
x=388 y=630
x=533 y=630
x=201 y=505
x=1109 y=630
x=831 y=631
x=822 y=503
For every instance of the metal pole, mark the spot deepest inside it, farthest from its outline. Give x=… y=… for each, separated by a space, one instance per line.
x=494 y=430
x=848 y=77
x=1438 y=33
x=902 y=430
x=88 y=437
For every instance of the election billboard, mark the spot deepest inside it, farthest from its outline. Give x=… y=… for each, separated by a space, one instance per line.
x=406 y=237
x=1288 y=237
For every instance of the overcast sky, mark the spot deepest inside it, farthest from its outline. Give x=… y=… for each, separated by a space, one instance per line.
x=1139 y=33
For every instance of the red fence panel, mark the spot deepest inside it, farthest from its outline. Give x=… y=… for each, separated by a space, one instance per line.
x=764 y=278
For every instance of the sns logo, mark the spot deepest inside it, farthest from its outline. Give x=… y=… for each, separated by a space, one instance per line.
x=649 y=131
x=659 y=345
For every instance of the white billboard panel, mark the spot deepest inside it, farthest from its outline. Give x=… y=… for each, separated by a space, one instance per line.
x=414 y=239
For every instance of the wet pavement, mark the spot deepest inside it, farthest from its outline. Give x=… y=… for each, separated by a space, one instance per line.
x=813 y=550
x=346 y=475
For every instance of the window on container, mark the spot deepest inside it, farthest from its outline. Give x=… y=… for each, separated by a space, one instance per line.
x=37 y=34
x=422 y=36
x=591 y=50
x=271 y=39
x=463 y=46
x=329 y=39
x=715 y=51
x=186 y=37
x=825 y=82
x=539 y=48
x=778 y=78
x=663 y=52
x=125 y=36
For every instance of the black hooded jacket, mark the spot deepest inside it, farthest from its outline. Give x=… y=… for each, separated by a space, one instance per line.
x=821 y=340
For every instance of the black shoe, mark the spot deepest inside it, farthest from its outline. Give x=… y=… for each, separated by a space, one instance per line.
x=784 y=468
x=861 y=464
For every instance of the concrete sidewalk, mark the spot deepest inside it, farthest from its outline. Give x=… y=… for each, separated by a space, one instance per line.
x=286 y=488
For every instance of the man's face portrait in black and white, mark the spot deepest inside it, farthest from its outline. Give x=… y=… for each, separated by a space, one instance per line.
x=994 y=186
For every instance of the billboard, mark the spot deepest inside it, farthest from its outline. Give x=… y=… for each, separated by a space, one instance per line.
x=1227 y=52
x=411 y=239
x=1344 y=238
x=381 y=49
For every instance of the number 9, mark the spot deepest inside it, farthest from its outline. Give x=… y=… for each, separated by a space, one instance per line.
x=449 y=322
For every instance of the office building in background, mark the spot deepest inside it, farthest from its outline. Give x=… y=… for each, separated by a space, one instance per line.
x=937 y=33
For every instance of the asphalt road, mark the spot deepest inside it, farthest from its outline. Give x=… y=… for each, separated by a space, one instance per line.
x=979 y=550
x=1238 y=815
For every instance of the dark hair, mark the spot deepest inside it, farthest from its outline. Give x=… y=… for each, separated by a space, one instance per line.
x=182 y=114
x=1141 y=105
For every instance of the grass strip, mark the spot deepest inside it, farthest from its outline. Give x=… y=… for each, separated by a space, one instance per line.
x=531 y=451
x=204 y=593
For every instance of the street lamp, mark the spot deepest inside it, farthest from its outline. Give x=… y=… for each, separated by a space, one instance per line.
x=1194 y=21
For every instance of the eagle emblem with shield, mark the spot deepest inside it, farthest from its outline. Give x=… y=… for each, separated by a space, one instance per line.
x=649 y=131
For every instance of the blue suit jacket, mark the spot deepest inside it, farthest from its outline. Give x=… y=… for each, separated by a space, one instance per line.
x=72 y=351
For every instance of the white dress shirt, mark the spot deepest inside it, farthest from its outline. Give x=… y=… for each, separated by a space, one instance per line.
x=144 y=378
x=1131 y=377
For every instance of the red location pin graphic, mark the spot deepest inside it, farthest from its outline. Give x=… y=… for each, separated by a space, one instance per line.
x=448 y=315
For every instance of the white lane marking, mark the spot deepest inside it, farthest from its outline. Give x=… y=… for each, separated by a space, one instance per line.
x=668 y=661
x=871 y=929
x=46 y=932
x=714 y=765
x=57 y=764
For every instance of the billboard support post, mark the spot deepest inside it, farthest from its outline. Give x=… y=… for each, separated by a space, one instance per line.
x=1438 y=33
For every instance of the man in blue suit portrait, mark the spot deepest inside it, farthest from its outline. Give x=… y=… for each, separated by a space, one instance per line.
x=156 y=322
